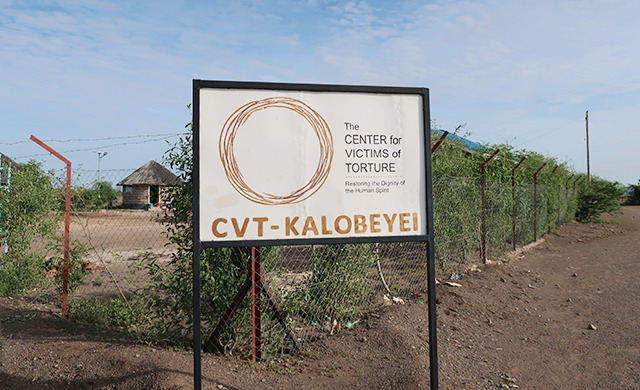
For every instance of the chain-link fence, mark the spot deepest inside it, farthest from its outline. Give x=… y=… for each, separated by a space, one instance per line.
x=107 y=242
x=310 y=292
x=458 y=218
x=124 y=251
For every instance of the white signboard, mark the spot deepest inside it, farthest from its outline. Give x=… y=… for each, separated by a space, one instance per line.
x=287 y=164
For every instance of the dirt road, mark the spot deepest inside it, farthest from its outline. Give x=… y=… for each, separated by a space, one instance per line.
x=564 y=315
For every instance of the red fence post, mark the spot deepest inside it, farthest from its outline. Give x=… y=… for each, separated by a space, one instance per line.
x=566 y=187
x=535 y=203
x=513 y=198
x=483 y=247
x=566 y=193
x=67 y=209
x=435 y=146
x=577 y=180
x=549 y=226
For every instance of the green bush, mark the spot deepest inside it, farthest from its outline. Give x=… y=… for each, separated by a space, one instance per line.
x=457 y=201
x=134 y=316
x=25 y=219
x=337 y=284
x=223 y=270
x=597 y=198
x=19 y=274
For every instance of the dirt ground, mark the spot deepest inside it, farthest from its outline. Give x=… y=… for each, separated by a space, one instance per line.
x=561 y=315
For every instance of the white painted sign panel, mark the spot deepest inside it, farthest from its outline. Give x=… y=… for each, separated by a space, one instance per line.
x=292 y=164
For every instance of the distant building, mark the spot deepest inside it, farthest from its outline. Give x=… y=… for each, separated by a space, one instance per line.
x=145 y=186
x=8 y=166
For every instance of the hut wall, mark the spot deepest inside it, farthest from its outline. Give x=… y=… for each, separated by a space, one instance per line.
x=137 y=196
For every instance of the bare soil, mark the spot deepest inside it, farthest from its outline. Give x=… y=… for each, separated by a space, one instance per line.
x=561 y=315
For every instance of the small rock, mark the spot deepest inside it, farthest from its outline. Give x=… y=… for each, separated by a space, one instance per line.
x=575 y=275
x=592 y=327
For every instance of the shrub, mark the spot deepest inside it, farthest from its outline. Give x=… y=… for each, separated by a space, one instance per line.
x=598 y=197
x=337 y=284
x=19 y=274
x=25 y=219
x=134 y=316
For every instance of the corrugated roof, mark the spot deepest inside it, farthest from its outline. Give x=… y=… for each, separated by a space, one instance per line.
x=152 y=174
x=471 y=146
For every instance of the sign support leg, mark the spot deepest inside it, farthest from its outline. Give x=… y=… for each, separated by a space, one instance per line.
x=256 y=312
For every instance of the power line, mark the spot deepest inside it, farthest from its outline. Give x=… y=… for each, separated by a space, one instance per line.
x=547 y=133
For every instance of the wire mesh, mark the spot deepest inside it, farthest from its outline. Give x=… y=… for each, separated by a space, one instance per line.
x=308 y=292
x=108 y=243
x=312 y=292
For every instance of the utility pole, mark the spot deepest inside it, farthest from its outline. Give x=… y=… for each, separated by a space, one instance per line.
x=588 y=161
x=100 y=155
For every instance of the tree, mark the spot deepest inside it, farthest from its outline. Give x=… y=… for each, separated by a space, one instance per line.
x=98 y=196
x=222 y=269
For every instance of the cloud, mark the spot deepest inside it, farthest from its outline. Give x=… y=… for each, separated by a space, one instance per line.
x=508 y=69
x=502 y=51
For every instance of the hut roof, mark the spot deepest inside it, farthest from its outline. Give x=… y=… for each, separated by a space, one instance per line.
x=152 y=174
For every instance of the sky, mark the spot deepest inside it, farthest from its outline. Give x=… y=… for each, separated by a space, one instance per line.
x=91 y=76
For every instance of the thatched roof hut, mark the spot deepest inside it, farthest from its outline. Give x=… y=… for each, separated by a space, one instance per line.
x=145 y=186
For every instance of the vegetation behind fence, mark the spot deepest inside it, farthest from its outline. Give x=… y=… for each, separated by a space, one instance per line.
x=132 y=268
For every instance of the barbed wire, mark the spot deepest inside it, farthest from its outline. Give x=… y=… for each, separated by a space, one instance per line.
x=172 y=135
x=95 y=139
